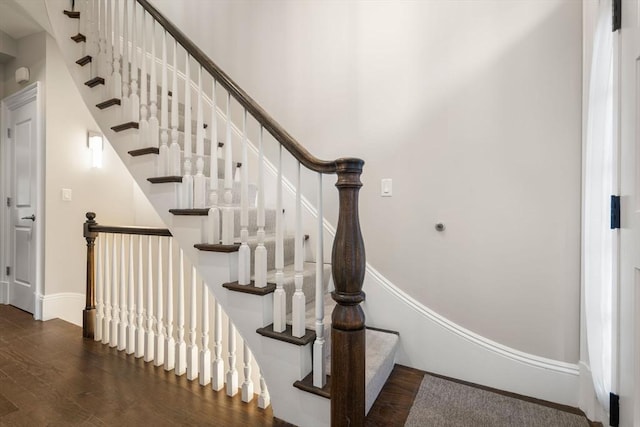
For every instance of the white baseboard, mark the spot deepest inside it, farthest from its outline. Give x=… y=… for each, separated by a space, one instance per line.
x=64 y=305
x=588 y=401
x=430 y=342
x=4 y=292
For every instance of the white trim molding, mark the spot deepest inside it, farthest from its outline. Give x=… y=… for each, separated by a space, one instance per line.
x=4 y=292
x=64 y=305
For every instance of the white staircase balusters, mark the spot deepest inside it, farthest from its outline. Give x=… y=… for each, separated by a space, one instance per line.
x=187 y=178
x=108 y=58
x=199 y=182
x=279 y=296
x=232 y=372
x=99 y=290
x=217 y=366
x=192 y=349
x=115 y=323
x=94 y=43
x=181 y=346
x=170 y=342
x=131 y=323
x=134 y=97
x=140 y=303
x=150 y=338
x=122 y=329
x=213 y=226
x=264 y=400
x=260 y=269
x=83 y=28
x=163 y=156
x=144 y=97
x=205 y=353
x=244 y=253
x=227 y=212
x=101 y=13
x=174 y=149
x=160 y=331
x=116 y=76
x=154 y=127
x=106 y=323
x=319 y=350
x=298 y=327
x=247 y=384
x=126 y=103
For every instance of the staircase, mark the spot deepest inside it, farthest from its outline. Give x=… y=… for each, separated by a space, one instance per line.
x=229 y=203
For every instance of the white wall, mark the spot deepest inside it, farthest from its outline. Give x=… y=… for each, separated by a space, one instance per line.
x=472 y=108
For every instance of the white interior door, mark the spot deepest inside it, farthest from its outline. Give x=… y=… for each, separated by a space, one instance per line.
x=22 y=153
x=629 y=292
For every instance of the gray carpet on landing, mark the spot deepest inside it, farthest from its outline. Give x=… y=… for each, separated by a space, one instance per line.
x=442 y=403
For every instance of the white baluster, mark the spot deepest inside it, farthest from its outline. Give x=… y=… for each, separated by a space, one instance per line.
x=213 y=235
x=170 y=343
x=99 y=290
x=124 y=314
x=101 y=13
x=163 y=157
x=192 y=349
x=264 y=400
x=244 y=253
x=154 y=126
x=247 y=384
x=199 y=183
x=115 y=323
x=217 y=366
x=298 y=329
x=319 y=368
x=106 y=323
x=140 y=335
x=187 y=179
x=116 y=76
x=160 y=331
x=134 y=98
x=94 y=44
x=126 y=103
x=205 y=353
x=144 y=111
x=82 y=25
x=227 y=211
x=232 y=373
x=174 y=149
x=150 y=337
x=260 y=270
x=131 y=324
x=181 y=347
x=279 y=296
x=108 y=58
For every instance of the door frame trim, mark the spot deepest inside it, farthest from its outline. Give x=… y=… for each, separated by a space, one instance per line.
x=32 y=92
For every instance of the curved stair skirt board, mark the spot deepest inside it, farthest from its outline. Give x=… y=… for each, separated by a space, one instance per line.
x=67 y=306
x=441 y=346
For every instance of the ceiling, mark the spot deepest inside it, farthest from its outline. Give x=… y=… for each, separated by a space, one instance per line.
x=15 y=22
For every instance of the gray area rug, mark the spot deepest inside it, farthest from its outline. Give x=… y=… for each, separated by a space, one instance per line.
x=442 y=403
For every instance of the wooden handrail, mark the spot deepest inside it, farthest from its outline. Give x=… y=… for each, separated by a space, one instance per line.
x=91 y=229
x=274 y=128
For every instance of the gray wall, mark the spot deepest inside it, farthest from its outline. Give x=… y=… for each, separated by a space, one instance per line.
x=473 y=108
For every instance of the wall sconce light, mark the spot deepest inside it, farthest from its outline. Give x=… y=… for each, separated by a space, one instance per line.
x=95 y=142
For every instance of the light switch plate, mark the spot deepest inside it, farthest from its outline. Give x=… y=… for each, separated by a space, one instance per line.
x=386 y=189
x=66 y=194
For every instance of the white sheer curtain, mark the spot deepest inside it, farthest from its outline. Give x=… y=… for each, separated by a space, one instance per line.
x=598 y=189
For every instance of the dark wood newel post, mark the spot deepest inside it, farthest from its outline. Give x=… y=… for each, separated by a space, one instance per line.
x=89 y=312
x=347 y=329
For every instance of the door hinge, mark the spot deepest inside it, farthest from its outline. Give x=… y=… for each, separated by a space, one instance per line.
x=614 y=409
x=8 y=202
x=615 y=212
x=617 y=14
x=8 y=271
x=8 y=132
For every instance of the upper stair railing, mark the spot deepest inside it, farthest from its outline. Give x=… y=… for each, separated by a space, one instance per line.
x=128 y=41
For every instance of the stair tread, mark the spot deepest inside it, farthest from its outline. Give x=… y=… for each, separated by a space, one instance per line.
x=287 y=335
